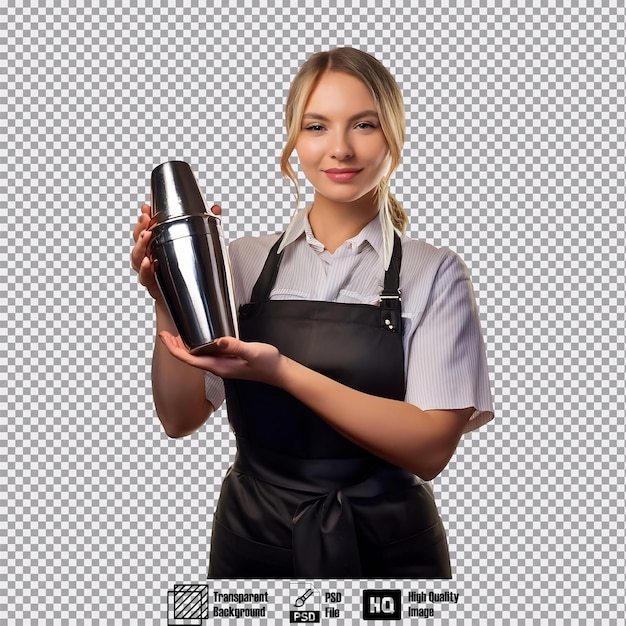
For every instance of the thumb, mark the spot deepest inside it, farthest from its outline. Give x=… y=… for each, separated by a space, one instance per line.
x=231 y=345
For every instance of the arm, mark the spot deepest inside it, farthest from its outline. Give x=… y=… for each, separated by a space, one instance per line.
x=420 y=441
x=177 y=388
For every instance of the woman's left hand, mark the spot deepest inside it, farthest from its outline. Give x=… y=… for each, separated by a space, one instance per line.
x=260 y=362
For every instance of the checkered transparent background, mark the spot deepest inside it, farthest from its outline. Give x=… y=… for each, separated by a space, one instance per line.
x=515 y=158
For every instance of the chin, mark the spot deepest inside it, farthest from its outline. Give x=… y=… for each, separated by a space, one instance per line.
x=346 y=197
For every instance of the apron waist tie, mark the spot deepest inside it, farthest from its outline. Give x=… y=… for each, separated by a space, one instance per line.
x=324 y=543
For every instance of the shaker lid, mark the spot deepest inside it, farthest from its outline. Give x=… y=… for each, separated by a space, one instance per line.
x=174 y=192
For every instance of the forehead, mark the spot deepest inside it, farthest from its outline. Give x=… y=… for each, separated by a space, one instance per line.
x=339 y=93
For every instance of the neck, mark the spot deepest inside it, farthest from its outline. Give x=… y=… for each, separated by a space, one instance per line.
x=334 y=223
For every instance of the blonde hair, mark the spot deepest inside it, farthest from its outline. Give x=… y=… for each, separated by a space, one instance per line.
x=389 y=104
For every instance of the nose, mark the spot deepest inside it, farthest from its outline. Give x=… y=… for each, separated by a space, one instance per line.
x=340 y=147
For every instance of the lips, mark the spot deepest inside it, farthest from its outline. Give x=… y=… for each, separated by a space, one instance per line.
x=341 y=175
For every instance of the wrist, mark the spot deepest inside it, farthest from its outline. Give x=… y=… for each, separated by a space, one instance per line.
x=164 y=320
x=286 y=373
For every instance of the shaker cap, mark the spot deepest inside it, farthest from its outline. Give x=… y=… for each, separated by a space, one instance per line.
x=174 y=192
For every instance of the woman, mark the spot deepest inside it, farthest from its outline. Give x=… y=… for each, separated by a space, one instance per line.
x=360 y=362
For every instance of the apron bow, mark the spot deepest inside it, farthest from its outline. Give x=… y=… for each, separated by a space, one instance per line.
x=324 y=538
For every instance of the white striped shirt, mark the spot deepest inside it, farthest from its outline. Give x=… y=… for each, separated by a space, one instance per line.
x=445 y=362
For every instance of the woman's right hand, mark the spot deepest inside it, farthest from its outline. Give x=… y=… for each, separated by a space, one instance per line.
x=140 y=259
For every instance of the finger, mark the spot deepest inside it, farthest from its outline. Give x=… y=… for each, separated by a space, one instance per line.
x=232 y=345
x=143 y=220
x=224 y=366
x=140 y=250
x=146 y=272
x=142 y=224
x=146 y=210
x=216 y=209
x=177 y=348
x=172 y=341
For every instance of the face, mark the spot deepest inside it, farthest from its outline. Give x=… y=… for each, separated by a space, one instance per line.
x=341 y=147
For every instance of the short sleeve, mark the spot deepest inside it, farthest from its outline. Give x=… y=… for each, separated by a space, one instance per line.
x=214 y=389
x=446 y=364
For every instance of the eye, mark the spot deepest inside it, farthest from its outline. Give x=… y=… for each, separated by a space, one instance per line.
x=316 y=128
x=365 y=126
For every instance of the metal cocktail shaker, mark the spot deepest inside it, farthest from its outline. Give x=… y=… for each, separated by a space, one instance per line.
x=192 y=268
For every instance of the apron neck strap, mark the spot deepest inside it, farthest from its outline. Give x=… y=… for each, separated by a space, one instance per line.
x=392 y=275
x=267 y=278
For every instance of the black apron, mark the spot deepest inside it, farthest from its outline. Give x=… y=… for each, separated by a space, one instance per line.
x=302 y=501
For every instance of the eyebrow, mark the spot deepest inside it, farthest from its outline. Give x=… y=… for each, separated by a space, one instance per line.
x=323 y=118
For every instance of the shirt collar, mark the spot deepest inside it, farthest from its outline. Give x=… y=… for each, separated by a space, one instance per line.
x=299 y=226
x=295 y=229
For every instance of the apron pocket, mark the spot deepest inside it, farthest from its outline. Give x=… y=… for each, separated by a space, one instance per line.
x=234 y=557
x=403 y=535
x=422 y=555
